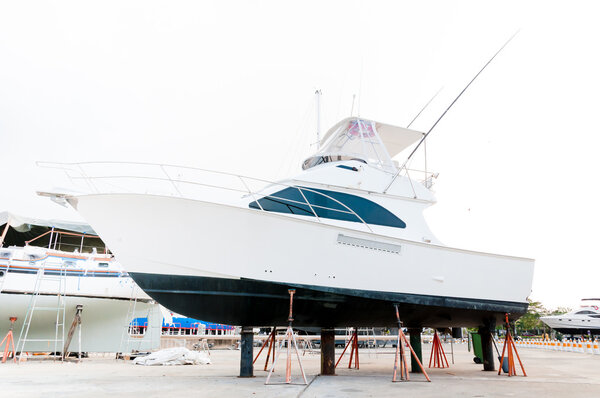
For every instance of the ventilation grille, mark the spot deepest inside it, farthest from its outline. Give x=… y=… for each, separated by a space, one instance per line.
x=369 y=244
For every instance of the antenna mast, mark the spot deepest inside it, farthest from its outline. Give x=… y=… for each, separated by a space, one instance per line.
x=318 y=105
x=446 y=111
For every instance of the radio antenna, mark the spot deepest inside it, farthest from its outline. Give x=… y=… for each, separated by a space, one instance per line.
x=318 y=106
x=446 y=111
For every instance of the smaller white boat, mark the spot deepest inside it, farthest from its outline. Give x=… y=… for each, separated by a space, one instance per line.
x=584 y=320
x=48 y=269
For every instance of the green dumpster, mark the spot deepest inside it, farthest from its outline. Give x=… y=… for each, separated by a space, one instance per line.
x=477 y=349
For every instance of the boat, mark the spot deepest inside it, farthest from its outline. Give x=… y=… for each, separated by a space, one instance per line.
x=347 y=233
x=584 y=320
x=52 y=270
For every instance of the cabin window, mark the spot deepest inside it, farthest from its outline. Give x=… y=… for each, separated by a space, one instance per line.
x=584 y=312
x=291 y=201
x=103 y=265
x=594 y=316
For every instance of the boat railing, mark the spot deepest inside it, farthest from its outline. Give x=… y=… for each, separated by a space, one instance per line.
x=424 y=177
x=190 y=183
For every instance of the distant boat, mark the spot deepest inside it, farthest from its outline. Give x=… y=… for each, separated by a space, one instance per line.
x=584 y=320
x=347 y=233
x=45 y=261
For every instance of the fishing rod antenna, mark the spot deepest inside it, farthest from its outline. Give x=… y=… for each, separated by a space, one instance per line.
x=446 y=111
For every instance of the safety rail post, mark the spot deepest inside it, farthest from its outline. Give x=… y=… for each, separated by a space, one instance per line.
x=250 y=192
x=170 y=179
x=309 y=205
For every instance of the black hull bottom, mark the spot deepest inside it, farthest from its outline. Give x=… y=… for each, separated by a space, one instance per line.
x=258 y=303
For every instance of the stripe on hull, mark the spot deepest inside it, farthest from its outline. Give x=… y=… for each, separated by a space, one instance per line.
x=259 y=303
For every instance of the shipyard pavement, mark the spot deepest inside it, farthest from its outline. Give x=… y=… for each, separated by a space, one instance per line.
x=550 y=374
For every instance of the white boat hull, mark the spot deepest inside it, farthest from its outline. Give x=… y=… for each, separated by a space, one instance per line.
x=103 y=323
x=243 y=260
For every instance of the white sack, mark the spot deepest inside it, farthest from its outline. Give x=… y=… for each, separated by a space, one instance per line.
x=173 y=356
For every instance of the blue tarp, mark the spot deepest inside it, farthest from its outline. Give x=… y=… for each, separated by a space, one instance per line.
x=183 y=323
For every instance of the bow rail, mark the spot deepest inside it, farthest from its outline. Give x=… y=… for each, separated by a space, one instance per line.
x=185 y=182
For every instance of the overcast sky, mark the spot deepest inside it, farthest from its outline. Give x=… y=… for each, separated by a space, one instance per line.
x=229 y=86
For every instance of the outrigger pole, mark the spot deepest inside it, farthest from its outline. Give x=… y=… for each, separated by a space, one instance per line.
x=446 y=111
x=422 y=109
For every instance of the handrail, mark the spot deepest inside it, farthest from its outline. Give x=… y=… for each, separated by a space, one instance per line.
x=89 y=180
x=27 y=242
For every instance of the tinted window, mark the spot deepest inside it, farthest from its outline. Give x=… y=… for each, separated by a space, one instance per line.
x=585 y=312
x=290 y=200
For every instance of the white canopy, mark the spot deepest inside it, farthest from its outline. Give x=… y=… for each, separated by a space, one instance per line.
x=396 y=139
x=365 y=140
x=24 y=224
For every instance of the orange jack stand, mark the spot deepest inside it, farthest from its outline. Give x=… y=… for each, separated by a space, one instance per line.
x=437 y=353
x=400 y=357
x=289 y=339
x=270 y=341
x=510 y=343
x=353 y=342
x=10 y=342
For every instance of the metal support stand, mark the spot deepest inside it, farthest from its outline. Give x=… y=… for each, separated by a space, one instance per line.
x=487 y=347
x=509 y=343
x=246 y=347
x=400 y=357
x=10 y=342
x=327 y=352
x=270 y=341
x=437 y=353
x=414 y=335
x=290 y=340
x=76 y=322
x=353 y=342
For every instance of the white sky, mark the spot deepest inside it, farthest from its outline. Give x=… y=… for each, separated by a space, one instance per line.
x=229 y=86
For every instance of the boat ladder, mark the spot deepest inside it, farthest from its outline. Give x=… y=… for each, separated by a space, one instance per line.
x=47 y=279
x=129 y=343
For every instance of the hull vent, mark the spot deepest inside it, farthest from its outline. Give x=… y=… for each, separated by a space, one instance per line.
x=369 y=244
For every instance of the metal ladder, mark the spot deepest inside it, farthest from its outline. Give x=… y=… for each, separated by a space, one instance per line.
x=59 y=331
x=126 y=340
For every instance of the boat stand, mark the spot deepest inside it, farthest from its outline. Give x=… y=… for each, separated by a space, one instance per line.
x=76 y=323
x=400 y=357
x=10 y=341
x=270 y=341
x=510 y=343
x=437 y=353
x=353 y=342
x=290 y=340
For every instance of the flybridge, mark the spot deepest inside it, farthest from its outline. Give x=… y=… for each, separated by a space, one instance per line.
x=365 y=140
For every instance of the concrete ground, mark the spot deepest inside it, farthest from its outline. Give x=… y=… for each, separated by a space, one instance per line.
x=550 y=374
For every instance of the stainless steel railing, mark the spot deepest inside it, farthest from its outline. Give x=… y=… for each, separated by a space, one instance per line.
x=125 y=177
